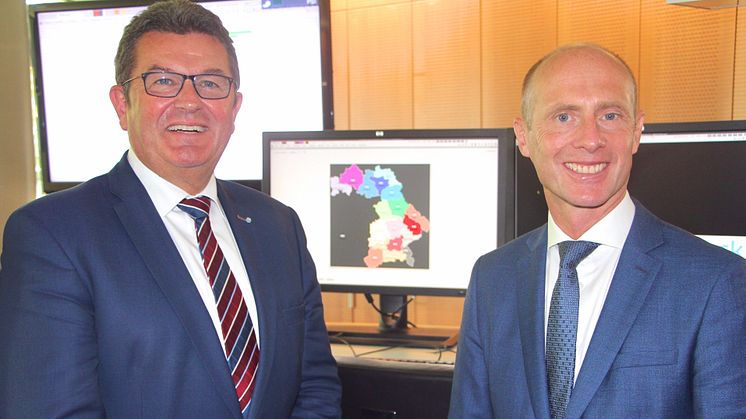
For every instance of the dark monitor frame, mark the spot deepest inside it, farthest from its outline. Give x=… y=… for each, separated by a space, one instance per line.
x=505 y=221
x=531 y=209
x=48 y=185
x=704 y=193
x=394 y=330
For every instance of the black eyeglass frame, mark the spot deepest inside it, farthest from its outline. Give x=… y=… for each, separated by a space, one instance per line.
x=184 y=77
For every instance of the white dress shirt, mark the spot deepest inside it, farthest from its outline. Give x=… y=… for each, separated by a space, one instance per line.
x=594 y=272
x=180 y=226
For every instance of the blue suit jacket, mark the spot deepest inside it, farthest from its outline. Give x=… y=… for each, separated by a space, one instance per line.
x=99 y=316
x=670 y=341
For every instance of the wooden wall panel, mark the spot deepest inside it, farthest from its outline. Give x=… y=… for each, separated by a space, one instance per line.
x=739 y=73
x=686 y=62
x=363 y=4
x=17 y=176
x=380 y=66
x=614 y=25
x=437 y=311
x=335 y=5
x=446 y=59
x=460 y=63
x=340 y=74
x=514 y=35
x=337 y=307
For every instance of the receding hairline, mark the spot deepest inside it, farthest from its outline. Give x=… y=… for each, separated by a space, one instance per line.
x=528 y=92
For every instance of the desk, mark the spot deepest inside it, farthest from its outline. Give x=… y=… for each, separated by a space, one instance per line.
x=394 y=382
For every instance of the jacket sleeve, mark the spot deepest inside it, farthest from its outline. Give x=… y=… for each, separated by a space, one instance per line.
x=719 y=364
x=48 y=353
x=470 y=394
x=320 y=389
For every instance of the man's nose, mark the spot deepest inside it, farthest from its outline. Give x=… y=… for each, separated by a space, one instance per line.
x=188 y=98
x=590 y=135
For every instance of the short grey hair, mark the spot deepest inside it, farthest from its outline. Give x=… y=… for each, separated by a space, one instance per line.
x=171 y=16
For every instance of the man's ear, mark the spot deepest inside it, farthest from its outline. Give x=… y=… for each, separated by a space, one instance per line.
x=639 y=128
x=521 y=136
x=237 y=101
x=119 y=99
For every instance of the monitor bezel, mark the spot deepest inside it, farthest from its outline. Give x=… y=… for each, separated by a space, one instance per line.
x=49 y=186
x=505 y=216
x=531 y=209
x=694 y=127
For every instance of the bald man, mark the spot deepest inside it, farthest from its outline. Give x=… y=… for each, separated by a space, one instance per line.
x=605 y=311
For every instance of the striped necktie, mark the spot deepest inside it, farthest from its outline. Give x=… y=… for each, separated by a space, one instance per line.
x=241 y=350
x=562 y=328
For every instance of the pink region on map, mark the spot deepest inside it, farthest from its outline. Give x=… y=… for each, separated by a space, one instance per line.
x=352 y=176
x=415 y=215
x=374 y=258
x=394 y=226
x=395 y=244
x=339 y=187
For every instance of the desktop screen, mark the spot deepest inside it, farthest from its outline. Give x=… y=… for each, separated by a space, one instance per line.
x=284 y=56
x=689 y=174
x=395 y=211
x=693 y=176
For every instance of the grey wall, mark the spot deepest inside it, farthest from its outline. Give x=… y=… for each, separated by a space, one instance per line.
x=16 y=144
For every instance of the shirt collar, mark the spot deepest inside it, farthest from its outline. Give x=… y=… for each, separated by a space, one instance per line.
x=164 y=194
x=611 y=230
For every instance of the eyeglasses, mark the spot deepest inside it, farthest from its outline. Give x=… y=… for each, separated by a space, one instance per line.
x=166 y=84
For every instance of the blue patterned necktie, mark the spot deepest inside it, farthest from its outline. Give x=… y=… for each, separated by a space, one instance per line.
x=562 y=328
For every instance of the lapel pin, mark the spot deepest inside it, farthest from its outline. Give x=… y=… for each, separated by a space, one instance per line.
x=247 y=220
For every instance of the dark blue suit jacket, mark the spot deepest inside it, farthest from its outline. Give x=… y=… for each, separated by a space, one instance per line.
x=99 y=316
x=670 y=341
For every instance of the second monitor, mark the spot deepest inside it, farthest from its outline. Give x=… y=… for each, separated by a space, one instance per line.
x=404 y=212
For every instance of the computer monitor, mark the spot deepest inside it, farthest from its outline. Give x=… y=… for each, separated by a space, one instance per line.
x=401 y=212
x=284 y=54
x=693 y=175
x=689 y=174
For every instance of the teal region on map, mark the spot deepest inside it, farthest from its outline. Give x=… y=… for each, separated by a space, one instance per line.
x=396 y=226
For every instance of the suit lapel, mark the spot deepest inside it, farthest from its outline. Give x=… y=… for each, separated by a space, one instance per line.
x=629 y=287
x=531 y=319
x=148 y=234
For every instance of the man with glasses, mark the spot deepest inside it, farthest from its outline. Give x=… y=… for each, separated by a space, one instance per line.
x=156 y=290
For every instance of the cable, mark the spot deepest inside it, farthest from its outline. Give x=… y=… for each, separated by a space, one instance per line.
x=393 y=315
x=338 y=337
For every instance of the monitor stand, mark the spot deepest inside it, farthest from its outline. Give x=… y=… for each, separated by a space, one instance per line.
x=393 y=329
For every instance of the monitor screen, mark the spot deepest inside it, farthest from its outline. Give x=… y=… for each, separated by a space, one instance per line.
x=395 y=212
x=284 y=57
x=692 y=175
x=689 y=174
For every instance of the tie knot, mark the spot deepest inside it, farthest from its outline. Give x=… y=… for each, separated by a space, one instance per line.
x=198 y=208
x=573 y=252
